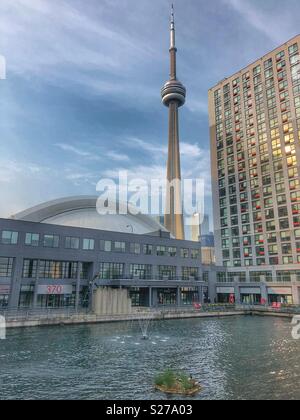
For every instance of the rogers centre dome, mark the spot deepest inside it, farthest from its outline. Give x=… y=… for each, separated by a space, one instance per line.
x=81 y=212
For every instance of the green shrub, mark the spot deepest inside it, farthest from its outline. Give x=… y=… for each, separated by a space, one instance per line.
x=185 y=382
x=167 y=378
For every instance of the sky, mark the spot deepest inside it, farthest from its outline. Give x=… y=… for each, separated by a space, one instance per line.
x=81 y=100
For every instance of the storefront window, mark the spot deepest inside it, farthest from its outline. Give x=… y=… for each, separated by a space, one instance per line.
x=167 y=296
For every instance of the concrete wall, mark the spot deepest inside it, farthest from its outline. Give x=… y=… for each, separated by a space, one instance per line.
x=109 y=301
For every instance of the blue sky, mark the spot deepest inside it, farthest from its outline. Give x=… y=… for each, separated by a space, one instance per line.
x=82 y=94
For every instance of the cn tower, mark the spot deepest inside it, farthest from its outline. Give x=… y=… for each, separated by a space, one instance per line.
x=173 y=96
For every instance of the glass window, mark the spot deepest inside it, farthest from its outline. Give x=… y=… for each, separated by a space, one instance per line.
x=135 y=248
x=72 y=243
x=30 y=269
x=190 y=273
x=141 y=271
x=195 y=254
x=58 y=270
x=161 y=251
x=167 y=272
x=148 y=249
x=120 y=247
x=106 y=246
x=9 y=237
x=172 y=251
x=88 y=244
x=32 y=239
x=185 y=253
x=111 y=271
x=51 y=241
x=6 y=267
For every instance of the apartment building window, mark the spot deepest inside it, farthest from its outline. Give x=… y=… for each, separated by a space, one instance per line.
x=172 y=251
x=9 y=237
x=167 y=272
x=248 y=252
x=284 y=276
x=161 y=251
x=135 y=248
x=285 y=236
x=85 y=270
x=141 y=271
x=226 y=254
x=269 y=214
x=51 y=241
x=26 y=296
x=190 y=273
x=6 y=266
x=195 y=254
x=273 y=250
x=270 y=226
x=287 y=260
x=221 y=277
x=260 y=276
x=280 y=188
x=111 y=271
x=30 y=268
x=58 y=270
x=105 y=246
x=293 y=49
x=148 y=249
x=88 y=244
x=237 y=263
x=120 y=247
x=185 y=252
x=32 y=239
x=273 y=260
x=257 y=70
x=72 y=243
x=294 y=59
x=268 y=63
x=205 y=277
x=286 y=249
x=284 y=224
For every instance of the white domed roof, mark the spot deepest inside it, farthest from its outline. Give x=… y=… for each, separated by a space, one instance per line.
x=81 y=212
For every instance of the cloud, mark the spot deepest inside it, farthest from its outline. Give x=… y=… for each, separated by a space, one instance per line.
x=271 y=24
x=145 y=146
x=195 y=162
x=79 y=152
x=96 y=154
x=117 y=157
x=197 y=106
x=67 y=45
x=11 y=170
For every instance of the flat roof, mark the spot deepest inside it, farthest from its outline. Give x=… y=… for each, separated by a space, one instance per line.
x=254 y=62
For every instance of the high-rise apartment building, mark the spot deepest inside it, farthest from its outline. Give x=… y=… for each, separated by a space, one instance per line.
x=205 y=230
x=255 y=145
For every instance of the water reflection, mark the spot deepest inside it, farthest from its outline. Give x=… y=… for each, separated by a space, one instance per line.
x=240 y=357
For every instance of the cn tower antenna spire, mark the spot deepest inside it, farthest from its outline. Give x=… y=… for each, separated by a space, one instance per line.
x=172 y=15
x=173 y=49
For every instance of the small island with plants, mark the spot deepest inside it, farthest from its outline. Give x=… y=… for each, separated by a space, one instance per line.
x=171 y=382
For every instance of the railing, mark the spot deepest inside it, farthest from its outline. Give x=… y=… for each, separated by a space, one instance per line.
x=42 y=313
x=284 y=309
x=189 y=308
x=67 y=313
x=151 y=278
